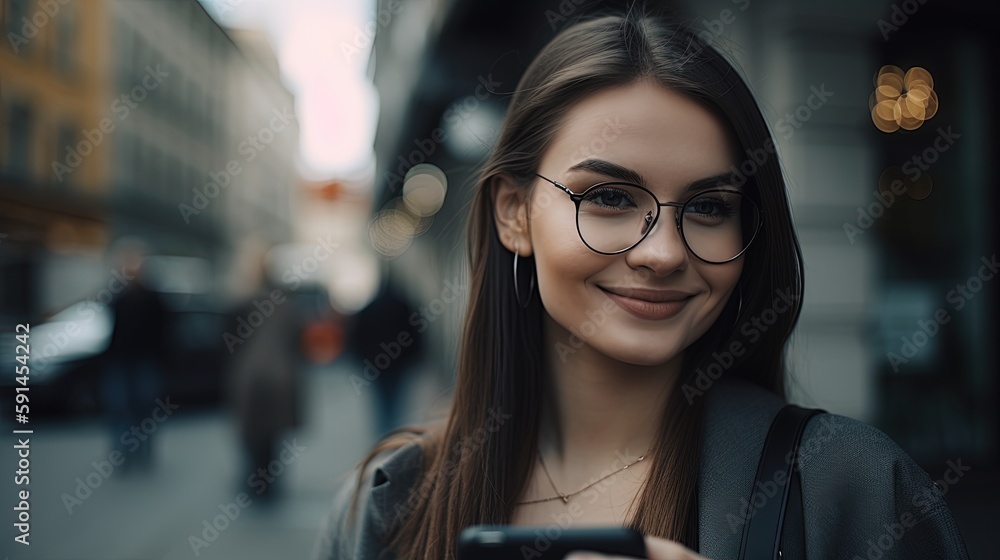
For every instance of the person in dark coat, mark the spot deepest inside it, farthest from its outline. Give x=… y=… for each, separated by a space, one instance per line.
x=387 y=347
x=133 y=376
x=264 y=382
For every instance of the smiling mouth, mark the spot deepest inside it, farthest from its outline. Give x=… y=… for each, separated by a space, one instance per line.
x=646 y=309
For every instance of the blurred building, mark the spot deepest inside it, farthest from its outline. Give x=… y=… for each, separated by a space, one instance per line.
x=53 y=84
x=134 y=117
x=444 y=71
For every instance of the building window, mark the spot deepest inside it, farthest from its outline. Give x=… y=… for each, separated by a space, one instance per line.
x=141 y=175
x=131 y=157
x=65 y=41
x=4 y=134
x=123 y=55
x=124 y=160
x=157 y=178
x=14 y=14
x=19 y=139
x=65 y=139
x=175 y=173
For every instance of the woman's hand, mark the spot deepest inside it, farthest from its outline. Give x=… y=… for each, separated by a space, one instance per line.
x=656 y=549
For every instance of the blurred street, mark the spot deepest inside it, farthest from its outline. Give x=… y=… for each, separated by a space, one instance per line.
x=229 y=206
x=197 y=468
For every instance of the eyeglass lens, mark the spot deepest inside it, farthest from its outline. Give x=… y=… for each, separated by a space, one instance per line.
x=716 y=225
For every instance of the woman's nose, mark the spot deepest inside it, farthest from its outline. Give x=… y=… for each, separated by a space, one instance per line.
x=663 y=249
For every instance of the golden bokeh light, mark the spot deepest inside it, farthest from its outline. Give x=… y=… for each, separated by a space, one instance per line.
x=895 y=182
x=902 y=100
x=391 y=232
x=424 y=189
x=403 y=218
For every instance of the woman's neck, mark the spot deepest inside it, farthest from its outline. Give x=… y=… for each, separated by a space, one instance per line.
x=599 y=409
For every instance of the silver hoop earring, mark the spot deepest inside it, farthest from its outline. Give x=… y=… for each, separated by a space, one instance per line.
x=517 y=292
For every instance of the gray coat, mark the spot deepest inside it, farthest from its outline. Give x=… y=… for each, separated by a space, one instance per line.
x=863 y=496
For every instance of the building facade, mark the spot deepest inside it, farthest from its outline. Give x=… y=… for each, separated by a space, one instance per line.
x=140 y=118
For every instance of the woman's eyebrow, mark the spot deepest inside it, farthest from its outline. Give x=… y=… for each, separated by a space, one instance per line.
x=720 y=180
x=621 y=173
x=609 y=169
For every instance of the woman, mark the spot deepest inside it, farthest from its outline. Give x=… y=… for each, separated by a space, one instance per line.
x=626 y=371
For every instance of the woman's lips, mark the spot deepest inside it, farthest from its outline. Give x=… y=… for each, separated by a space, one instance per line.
x=647 y=309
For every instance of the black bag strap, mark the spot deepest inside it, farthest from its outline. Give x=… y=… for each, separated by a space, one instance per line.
x=762 y=530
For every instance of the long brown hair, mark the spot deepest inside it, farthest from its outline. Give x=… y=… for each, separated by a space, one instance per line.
x=470 y=479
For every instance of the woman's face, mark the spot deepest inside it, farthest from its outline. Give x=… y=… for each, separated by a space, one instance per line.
x=669 y=141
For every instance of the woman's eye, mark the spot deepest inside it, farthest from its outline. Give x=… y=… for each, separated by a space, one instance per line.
x=611 y=198
x=710 y=207
x=704 y=206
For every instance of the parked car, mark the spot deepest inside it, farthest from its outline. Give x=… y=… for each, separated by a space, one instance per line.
x=69 y=350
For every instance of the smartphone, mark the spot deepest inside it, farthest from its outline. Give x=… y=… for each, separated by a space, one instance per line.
x=546 y=542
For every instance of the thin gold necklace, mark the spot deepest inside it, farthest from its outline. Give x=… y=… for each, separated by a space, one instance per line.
x=565 y=497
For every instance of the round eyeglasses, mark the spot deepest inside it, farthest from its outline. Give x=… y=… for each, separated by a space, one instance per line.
x=717 y=225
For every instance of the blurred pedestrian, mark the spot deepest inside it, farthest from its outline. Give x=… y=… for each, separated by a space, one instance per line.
x=133 y=378
x=388 y=348
x=264 y=382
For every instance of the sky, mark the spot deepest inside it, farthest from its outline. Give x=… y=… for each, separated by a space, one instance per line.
x=336 y=103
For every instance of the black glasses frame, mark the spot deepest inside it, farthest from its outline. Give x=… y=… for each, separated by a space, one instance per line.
x=578 y=197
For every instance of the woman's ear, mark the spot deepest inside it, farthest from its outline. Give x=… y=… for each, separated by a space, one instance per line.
x=510 y=211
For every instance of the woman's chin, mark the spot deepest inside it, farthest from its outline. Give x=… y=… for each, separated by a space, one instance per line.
x=640 y=355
